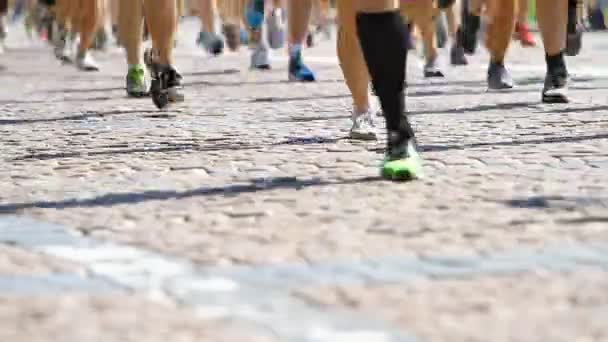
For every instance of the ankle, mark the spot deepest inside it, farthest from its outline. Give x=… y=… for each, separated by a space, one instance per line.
x=556 y=63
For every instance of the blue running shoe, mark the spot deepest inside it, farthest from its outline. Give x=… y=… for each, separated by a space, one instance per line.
x=298 y=71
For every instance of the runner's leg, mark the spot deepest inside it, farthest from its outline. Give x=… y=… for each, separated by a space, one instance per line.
x=208 y=38
x=502 y=15
x=161 y=19
x=299 y=18
x=422 y=14
x=457 y=55
x=88 y=21
x=522 y=30
x=552 y=21
x=383 y=37
x=130 y=26
x=355 y=72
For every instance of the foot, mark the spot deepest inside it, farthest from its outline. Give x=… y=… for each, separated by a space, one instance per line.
x=85 y=62
x=364 y=126
x=137 y=85
x=499 y=77
x=298 y=71
x=431 y=69
x=275 y=29
x=523 y=34
x=457 y=56
x=402 y=163
x=232 y=33
x=62 y=47
x=210 y=42
x=260 y=57
x=555 y=89
x=166 y=86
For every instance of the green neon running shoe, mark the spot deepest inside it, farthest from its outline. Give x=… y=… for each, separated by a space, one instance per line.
x=402 y=164
x=137 y=85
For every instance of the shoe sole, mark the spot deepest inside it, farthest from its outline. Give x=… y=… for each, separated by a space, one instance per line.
x=293 y=78
x=433 y=74
x=404 y=175
x=555 y=99
x=261 y=67
x=138 y=95
x=363 y=136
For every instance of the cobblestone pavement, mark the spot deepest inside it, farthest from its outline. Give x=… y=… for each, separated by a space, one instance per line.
x=252 y=184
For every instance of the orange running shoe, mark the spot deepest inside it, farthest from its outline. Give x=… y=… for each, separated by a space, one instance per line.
x=523 y=34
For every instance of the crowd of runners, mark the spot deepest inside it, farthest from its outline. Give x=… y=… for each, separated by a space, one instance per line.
x=373 y=40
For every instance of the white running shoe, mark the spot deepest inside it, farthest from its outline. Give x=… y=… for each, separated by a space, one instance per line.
x=86 y=62
x=260 y=57
x=364 y=126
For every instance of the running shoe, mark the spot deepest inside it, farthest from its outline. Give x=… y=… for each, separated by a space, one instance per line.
x=555 y=89
x=210 y=42
x=457 y=56
x=364 y=126
x=232 y=33
x=86 y=62
x=431 y=68
x=402 y=163
x=499 y=77
x=62 y=46
x=298 y=71
x=260 y=57
x=523 y=34
x=166 y=86
x=137 y=84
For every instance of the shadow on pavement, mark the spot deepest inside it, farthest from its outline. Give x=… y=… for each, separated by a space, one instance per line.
x=557 y=202
x=90 y=99
x=245 y=83
x=578 y=109
x=549 y=140
x=413 y=94
x=170 y=147
x=255 y=185
x=92 y=90
x=232 y=146
x=78 y=117
x=478 y=108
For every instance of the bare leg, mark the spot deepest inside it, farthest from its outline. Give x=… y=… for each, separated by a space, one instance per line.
x=299 y=18
x=552 y=20
x=161 y=18
x=130 y=29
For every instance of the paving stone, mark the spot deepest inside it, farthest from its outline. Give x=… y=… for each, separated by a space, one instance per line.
x=535 y=307
x=68 y=318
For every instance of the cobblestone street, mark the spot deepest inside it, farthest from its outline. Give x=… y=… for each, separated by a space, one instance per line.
x=246 y=214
